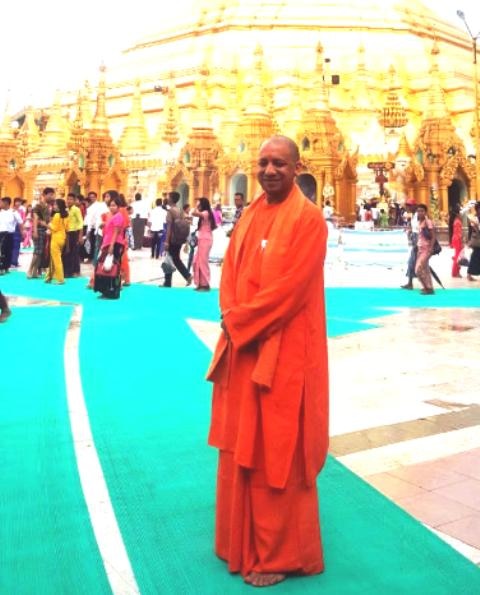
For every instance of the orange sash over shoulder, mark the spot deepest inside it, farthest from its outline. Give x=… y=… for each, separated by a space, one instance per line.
x=286 y=312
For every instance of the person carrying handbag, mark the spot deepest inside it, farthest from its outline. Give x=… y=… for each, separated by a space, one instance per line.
x=107 y=278
x=425 y=244
x=178 y=229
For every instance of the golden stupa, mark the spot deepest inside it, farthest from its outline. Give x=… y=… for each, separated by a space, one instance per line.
x=375 y=94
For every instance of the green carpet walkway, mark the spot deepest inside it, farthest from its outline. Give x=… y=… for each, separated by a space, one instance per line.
x=46 y=540
x=142 y=372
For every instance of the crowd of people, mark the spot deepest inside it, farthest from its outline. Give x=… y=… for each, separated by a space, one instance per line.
x=64 y=233
x=382 y=212
x=424 y=243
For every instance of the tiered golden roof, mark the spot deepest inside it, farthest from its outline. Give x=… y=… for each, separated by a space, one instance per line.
x=237 y=72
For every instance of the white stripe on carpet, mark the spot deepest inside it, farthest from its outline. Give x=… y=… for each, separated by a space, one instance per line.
x=107 y=533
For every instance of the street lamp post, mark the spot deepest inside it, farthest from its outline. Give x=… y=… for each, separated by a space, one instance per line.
x=461 y=15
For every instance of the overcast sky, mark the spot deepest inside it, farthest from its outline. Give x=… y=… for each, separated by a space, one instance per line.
x=49 y=44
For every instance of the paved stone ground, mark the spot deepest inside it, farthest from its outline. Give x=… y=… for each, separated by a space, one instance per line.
x=406 y=417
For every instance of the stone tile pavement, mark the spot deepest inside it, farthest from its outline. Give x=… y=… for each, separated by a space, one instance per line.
x=413 y=434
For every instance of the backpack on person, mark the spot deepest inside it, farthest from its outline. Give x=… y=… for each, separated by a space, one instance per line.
x=180 y=230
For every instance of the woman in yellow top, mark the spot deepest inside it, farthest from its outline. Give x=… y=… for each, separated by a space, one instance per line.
x=58 y=228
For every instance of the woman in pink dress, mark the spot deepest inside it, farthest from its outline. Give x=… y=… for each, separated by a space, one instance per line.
x=27 y=228
x=108 y=282
x=456 y=237
x=218 y=215
x=206 y=225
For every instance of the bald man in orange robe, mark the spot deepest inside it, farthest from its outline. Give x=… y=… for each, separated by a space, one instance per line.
x=270 y=375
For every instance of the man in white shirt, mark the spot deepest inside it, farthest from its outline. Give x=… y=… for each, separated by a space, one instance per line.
x=157 y=222
x=89 y=233
x=327 y=211
x=139 y=220
x=94 y=223
x=9 y=219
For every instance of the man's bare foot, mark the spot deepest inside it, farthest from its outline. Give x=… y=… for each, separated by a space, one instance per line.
x=264 y=579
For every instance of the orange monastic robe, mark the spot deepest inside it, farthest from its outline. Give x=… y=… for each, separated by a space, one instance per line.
x=270 y=396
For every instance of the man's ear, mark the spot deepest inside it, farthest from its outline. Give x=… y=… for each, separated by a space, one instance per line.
x=298 y=167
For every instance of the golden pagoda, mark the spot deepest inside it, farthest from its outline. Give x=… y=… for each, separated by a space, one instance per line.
x=353 y=82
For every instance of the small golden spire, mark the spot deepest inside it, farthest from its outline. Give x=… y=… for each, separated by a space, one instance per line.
x=295 y=109
x=202 y=117
x=56 y=133
x=437 y=107
x=257 y=123
x=134 y=137
x=255 y=103
x=319 y=92
x=29 y=134
x=87 y=104
x=77 y=135
x=361 y=89
x=100 y=122
x=393 y=113
x=170 y=131
x=403 y=148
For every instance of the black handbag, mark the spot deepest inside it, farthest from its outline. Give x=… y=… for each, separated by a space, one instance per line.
x=436 y=247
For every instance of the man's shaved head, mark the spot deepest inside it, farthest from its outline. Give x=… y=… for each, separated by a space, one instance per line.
x=280 y=138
